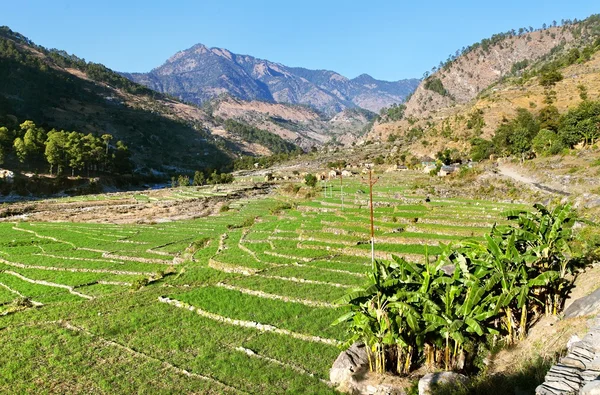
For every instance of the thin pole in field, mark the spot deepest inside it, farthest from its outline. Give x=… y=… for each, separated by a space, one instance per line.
x=342 y=188
x=372 y=181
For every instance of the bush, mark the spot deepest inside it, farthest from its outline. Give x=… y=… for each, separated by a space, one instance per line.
x=310 y=180
x=435 y=84
x=444 y=312
x=550 y=78
x=546 y=143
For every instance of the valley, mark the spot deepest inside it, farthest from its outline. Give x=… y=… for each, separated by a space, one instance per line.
x=225 y=223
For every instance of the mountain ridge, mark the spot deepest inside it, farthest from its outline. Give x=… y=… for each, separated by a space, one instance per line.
x=200 y=73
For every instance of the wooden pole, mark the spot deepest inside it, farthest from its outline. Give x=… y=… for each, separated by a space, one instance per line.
x=342 y=188
x=372 y=181
x=372 y=227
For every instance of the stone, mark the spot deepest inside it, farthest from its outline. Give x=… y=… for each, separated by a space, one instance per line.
x=587 y=305
x=350 y=362
x=574 y=362
x=428 y=382
x=592 y=203
x=574 y=339
x=591 y=388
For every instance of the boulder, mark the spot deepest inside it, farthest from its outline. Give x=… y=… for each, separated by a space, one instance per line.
x=591 y=388
x=350 y=373
x=349 y=363
x=430 y=380
x=587 y=305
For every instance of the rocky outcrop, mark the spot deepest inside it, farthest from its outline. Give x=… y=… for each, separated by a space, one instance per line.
x=475 y=70
x=579 y=368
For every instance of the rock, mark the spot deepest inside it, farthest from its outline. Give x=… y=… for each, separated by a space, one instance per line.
x=587 y=305
x=428 y=382
x=591 y=388
x=574 y=339
x=350 y=362
x=593 y=203
x=573 y=362
x=7 y=175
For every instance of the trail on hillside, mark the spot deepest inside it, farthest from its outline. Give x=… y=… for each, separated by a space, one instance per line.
x=511 y=172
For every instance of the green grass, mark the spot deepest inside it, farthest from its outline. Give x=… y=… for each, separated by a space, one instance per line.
x=132 y=343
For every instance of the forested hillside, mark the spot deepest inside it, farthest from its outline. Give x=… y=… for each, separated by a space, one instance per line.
x=58 y=91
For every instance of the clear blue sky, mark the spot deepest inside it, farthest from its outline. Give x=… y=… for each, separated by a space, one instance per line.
x=389 y=40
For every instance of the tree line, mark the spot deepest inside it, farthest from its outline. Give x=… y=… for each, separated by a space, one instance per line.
x=32 y=145
x=548 y=133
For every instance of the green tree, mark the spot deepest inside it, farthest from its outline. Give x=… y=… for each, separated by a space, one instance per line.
x=199 y=178
x=55 y=151
x=549 y=118
x=122 y=158
x=310 y=180
x=481 y=149
x=183 y=180
x=20 y=149
x=6 y=139
x=547 y=142
x=514 y=137
x=106 y=138
x=550 y=78
x=75 y=151
x=581 y=124
x=34 y=139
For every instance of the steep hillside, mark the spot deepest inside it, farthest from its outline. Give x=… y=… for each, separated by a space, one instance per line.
x=199 y=74
x=480 y=91
x=58 y=90
x=460 y=79
x=299 y=124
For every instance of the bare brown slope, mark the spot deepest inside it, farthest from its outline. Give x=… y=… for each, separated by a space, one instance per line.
x=448 y=127
x=474 y=71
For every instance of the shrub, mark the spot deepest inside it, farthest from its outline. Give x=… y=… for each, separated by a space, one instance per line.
x=435 y=84
x=439 y=312
x=310 y=180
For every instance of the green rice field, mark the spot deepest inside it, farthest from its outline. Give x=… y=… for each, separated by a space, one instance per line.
x=245 y=304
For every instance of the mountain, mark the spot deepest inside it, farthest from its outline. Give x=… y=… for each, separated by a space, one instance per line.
x=484 y=86
x=199 y=73
x=58 y=90
x=61 y=91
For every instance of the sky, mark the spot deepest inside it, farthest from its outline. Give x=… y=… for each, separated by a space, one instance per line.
x=389 y=40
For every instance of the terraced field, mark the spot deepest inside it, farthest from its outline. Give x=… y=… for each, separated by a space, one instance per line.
x=239 y=302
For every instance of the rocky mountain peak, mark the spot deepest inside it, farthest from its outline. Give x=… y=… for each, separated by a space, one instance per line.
x=200 y=73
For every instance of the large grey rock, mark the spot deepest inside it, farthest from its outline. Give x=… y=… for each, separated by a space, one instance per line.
x=351 y=362
x=591 y=388
x=430 y=380
x=587 y=305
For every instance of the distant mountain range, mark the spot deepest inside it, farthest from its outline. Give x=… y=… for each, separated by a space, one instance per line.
x=199 y=74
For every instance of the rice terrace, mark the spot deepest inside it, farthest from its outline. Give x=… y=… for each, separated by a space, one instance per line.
x=249 y=292
x=179 y=218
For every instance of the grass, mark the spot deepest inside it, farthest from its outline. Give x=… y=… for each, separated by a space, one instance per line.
x=302 y=252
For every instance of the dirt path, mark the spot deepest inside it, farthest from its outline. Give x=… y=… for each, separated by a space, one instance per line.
x=510 y=171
